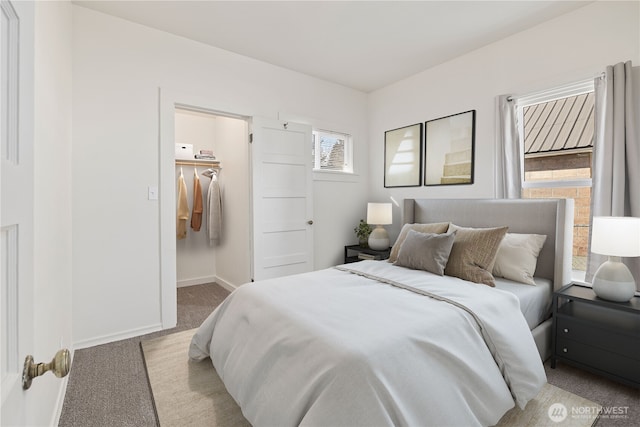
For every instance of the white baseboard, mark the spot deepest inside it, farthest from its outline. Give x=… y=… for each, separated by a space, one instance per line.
x=208 y=279
x=105 y=339
x=228 y=286
x=196 y=281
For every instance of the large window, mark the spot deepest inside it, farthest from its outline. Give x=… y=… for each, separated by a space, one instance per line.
x=556 y=134
x=332 y=151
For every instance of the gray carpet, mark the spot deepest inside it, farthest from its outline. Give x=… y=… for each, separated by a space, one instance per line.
x=108 y=384
x=609 y=394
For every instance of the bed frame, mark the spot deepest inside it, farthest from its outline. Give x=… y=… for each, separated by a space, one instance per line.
x=551 y=217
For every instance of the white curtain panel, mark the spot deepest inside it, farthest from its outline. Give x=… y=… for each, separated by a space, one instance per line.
x=508 y=137
x=616 y=151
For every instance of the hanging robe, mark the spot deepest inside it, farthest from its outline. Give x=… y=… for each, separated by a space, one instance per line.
x=196 y=213
x=214 y=205
x=183 y=208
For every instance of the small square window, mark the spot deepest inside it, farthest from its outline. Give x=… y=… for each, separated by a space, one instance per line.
x=333 y=151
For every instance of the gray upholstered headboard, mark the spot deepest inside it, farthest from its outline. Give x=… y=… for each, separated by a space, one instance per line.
x=551 y=217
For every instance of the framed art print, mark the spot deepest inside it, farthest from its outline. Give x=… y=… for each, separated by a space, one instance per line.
x=403 y=156
x=449 y=149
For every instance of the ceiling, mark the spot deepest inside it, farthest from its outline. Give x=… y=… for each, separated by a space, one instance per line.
x=364 y=45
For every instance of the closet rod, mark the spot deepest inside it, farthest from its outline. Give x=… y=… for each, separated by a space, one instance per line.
x=210 y=164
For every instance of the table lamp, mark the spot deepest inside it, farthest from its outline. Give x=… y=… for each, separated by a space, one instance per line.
x=615 y=237
x=379 y=214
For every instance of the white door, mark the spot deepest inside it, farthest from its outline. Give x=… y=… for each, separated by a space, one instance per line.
x=282 y=198
x=16 y=206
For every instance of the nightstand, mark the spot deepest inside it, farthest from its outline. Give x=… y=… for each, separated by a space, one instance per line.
x=596 y=335
x=352 y=253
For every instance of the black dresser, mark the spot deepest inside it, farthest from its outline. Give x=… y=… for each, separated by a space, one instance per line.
x=597 y=335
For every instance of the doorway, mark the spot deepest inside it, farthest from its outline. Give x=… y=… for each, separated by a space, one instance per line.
x=230 y=264
x=199 y=258
x=244 y=182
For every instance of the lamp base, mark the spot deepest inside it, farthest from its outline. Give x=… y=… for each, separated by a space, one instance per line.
x=614 y=282
x=379 y=239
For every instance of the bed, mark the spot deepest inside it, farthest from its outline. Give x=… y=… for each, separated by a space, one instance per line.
x=550 y=217
x=375 y=343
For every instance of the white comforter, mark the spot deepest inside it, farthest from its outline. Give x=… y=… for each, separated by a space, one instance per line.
x=334 y=348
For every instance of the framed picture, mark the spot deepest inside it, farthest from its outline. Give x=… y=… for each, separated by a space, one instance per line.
x=403 y=156
x=450 y=149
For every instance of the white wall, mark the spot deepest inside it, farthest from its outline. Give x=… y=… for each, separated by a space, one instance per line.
x=118 y=67
x=233 y=256
x=195 y=258
x=52 y=202
x=572 y=47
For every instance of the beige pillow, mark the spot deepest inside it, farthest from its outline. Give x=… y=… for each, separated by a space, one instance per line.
x=518 y=256
x=436 y=227
x=474 y=253
x=426 y=251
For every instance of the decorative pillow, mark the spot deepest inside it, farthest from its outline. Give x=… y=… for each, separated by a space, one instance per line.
x=436 y=227
x=474 y=253
x=426 y=251
x=518 y=256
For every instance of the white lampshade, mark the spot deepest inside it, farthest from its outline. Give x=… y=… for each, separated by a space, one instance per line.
x=379 y=213
x=616 y=237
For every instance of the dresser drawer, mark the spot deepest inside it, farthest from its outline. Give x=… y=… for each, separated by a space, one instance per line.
x=595 y=357
x=592 y=334
x=595 y=334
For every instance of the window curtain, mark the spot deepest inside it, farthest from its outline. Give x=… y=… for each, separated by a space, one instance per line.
x=616 y=155
x=508 y=136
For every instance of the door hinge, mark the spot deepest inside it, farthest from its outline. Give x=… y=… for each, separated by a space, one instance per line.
x=250 y=138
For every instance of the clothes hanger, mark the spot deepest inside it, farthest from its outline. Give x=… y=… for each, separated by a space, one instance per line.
x=211 y=173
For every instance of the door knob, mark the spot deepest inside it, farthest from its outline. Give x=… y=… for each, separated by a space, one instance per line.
x=60 y=366
x=310 y=222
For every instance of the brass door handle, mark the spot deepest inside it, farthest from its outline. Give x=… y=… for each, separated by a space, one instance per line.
x=60 y=366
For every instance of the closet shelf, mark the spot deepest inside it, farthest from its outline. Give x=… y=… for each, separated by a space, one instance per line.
x=199 y=162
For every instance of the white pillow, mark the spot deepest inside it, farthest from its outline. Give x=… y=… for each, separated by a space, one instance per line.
x=518 y=256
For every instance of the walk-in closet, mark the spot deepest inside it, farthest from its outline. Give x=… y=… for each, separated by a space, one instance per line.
x=212 y=197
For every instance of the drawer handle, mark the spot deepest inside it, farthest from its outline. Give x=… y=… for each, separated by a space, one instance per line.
x=565 y=350
x=566 y=330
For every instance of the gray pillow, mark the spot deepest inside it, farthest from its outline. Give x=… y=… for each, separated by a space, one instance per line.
x=426 y=251
x=438 y=227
